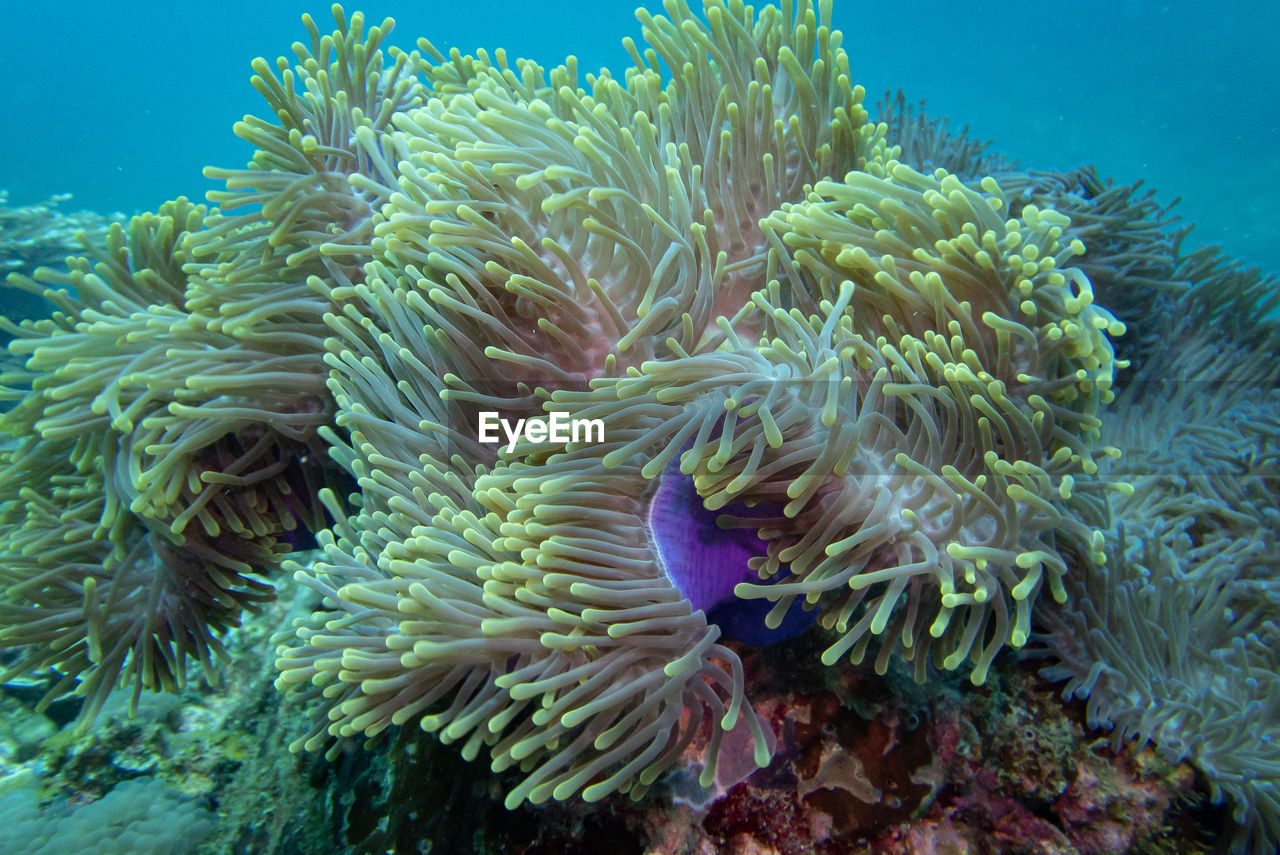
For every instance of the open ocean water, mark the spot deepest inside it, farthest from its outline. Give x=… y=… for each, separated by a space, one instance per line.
x=123 y=104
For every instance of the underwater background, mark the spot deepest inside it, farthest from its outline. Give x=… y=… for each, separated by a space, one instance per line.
x=123 y=106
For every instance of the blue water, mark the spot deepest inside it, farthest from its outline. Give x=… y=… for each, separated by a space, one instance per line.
x=122 y=104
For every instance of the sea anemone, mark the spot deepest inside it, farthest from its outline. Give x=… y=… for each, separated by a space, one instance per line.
x=182 y=377
x=838 y=385
x=886 y=387
x=1173 y=638
x=927 y=253
x=1171 y=645
x=125 y=604
x=552 y=636
x=317 y=173
x=569 y=233
x=178 y=454
x=179 y=411
x=893 y=484
x=535 y=219
x=1131 y=241
x=926 y=143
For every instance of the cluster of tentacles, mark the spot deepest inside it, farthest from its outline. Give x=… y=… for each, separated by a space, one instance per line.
x=895 y=381
x=157 y=468
x=884 y=384
x=1174 y=640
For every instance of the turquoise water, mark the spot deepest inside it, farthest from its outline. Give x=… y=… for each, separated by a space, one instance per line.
x=123 y=104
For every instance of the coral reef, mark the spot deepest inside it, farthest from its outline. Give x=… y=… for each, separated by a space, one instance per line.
x=865 y=392
x=135 y=817
x=864 y=762
x=44 y=234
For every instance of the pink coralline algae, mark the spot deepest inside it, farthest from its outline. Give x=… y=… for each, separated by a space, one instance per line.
x=861 y=768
